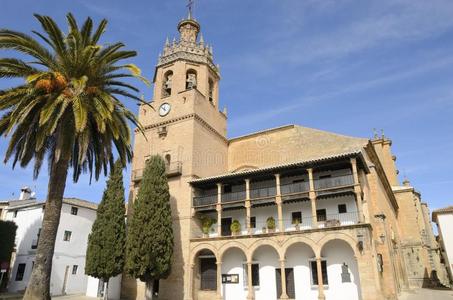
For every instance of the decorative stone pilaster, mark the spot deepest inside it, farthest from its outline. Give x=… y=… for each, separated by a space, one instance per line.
x=251 y=291
x=284 y=295
x=321 y=295
x=219 y=209
x=357 y=188
x=278 y=201
x=219 y=281
x=189 y=295
x=248 y=206
x=312 y=195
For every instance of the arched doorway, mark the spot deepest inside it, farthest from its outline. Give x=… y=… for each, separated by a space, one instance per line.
x=342 y=270
x=205 y=275
x=299 y=283
x=266 y=261
x=234 y=269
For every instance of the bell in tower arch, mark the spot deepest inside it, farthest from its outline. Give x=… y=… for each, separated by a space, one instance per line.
x=191 y=80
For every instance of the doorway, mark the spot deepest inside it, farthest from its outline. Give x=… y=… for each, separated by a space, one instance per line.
x=226 y=226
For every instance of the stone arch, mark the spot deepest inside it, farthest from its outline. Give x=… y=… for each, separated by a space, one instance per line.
x=191 y=79
x=167 y=83
x=300 y=240
x=265 y=242
x=230 y=245
x=338 y=236
x=200 y=247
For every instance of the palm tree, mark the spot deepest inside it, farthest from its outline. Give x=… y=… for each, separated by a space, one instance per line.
x=67 y=112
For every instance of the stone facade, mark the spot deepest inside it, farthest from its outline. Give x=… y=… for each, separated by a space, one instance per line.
x=286 y=172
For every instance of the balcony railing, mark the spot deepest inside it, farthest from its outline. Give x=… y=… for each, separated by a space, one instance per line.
x=334 y=181
x=233 y=196
x=296 y=187
x=172 y=169
x=288 y=191
x=264 y=192
x=324 y=221
x=204 y=200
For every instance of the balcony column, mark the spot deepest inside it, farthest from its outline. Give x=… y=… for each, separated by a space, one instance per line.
x=278 y=201
x=251 y=291
x=321 y=295
x=312 y=196
x=219 y=280
x=247 y=205
x=283 y=280
x=357 y=188
x=190 y=283
x=219 y=209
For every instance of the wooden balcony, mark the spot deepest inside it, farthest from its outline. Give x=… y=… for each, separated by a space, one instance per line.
x=173 y=169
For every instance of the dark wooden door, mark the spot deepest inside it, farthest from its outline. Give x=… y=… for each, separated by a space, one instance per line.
x=226 y=226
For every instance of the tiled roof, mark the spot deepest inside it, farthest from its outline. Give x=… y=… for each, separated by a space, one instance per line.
x=16 y=204
x=278 y=167
x=445 y=210
x=80 y=202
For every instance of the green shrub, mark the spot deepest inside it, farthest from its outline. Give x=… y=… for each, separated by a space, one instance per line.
x=235 y=226
x=206 y=224
x=270 y=223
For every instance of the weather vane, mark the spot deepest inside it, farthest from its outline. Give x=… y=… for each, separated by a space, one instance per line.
x=190 y=6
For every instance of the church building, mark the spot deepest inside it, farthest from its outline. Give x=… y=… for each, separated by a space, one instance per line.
x=285 y=213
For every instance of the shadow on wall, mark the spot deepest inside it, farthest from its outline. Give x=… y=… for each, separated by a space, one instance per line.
x=169 y=288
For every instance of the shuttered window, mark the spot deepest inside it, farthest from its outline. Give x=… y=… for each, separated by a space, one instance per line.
x=314 y=272
x=208 y=270
x=290 y=286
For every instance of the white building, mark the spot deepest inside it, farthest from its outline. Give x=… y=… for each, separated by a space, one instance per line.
x=68 y=267
x=444 y=220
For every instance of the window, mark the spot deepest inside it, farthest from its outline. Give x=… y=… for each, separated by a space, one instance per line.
x=15 y=214
x=74 y=211
x=296 y=217
x=211 y=90
x=74 y=269
x=208 y=272
x=191 y=79
x=67 y=236
x=314 y=272
x=34 y=243
x=227 y=188
x=255 y=274
x=252 y=222
x=166 y=85
x=289 y=279
x=20 y=272
x=342 y=208
x=321 y=215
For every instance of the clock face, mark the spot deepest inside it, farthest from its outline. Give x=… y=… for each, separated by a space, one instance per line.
x=164 y=109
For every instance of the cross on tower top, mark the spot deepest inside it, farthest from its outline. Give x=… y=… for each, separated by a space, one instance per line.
x=190 y=5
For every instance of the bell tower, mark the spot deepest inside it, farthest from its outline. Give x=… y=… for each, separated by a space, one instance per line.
x=183 y=124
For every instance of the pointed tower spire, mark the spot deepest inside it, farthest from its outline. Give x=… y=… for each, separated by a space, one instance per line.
x=201 y=39
x=167 y=42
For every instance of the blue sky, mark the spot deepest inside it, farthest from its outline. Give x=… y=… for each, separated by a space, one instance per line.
x=342 y=66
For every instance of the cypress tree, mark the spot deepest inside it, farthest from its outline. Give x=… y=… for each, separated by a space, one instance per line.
x=106 y=243
x=149 y=246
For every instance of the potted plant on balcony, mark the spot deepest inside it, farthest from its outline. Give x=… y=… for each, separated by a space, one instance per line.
x=235 y=227
x=270 y=222
x=296 y=224
x=206 y=224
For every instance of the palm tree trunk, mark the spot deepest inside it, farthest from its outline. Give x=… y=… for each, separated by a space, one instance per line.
x=39 y=285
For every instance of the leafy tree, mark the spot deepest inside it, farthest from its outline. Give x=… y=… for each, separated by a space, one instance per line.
x=7 y=238
x=67 y=111
x=149 y=246
x=106 y=243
